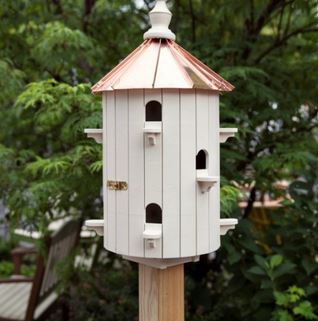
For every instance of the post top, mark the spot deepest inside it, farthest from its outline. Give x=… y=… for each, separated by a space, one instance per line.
x=160 y=18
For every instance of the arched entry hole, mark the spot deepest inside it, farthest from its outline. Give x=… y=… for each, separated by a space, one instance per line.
x=153 y=111
x=202 y=159
x=153 y=214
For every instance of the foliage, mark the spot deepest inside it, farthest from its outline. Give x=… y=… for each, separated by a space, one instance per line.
x=6 y=264
x=113 y=297
x=6 y=269
x=50 y=54
x=291 y=305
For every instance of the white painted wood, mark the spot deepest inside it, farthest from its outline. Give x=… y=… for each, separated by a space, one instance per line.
x=227 y=224
x=160 y=18
x=152 y=231
x=171 y=172
x=95 y=133
x=214 y=170
x=205 y=181
x=136 y=182
x=163 y=173
x=152 y=129
x=162 y=263
x=105 y=170
x=110 y=171
x=188 y=173
x=95 y=225
x=203 y=224
x=152 y=235
x=122 y=167
x=153 y=172
x=226 y=133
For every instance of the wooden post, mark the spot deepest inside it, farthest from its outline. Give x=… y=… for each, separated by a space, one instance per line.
x=161 y=293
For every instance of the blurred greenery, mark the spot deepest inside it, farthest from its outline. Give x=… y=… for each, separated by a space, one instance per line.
x=52 y=51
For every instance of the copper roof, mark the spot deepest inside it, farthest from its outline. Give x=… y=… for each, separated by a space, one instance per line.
x=161 y=63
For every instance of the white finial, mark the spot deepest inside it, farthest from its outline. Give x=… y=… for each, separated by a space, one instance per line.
x=160 y=18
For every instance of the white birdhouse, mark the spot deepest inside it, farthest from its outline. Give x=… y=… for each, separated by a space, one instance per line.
x=161 y=152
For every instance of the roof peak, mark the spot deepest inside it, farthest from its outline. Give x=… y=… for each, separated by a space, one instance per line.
x=160 y=18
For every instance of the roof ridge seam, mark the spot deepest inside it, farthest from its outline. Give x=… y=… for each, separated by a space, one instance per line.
x=157 y=64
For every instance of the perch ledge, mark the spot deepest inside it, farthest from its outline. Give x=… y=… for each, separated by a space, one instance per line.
x=96 y=134
x=95 y=225
x=152 y=233
x=227 y=224
x=226 y=133
x=152 y=130
x=205 y=181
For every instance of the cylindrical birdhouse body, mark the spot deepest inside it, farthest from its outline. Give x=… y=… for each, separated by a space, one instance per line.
x=161 y=152
x=158 y=144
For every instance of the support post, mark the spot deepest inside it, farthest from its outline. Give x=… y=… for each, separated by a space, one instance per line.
x=161 y=293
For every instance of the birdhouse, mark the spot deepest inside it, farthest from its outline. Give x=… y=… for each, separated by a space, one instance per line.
x=161 y=152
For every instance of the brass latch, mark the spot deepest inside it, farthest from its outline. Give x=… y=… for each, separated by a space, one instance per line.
x=117 y=185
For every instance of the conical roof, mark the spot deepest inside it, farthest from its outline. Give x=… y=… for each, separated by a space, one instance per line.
x=160 y=63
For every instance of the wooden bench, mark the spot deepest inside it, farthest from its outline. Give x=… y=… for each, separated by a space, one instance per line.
x=23 y=299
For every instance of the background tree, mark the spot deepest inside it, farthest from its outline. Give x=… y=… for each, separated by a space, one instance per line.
x=52 y=51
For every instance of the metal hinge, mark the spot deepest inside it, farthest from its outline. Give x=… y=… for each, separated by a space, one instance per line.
x=117 y=185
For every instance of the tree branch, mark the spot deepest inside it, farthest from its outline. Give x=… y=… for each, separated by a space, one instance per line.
x=147 y=3
x=88 y=7
x=279 y=42
x=57 y=4
x=193 y=20
x=253 y=29
x=250 y=203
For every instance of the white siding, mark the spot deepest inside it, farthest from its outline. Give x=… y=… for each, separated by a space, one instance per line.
x=171 y=173
x=105 y=170
x=214 y=170
x=202 y=116
x=122 y=157
x=136 y=173
x=153 y=173
x=110 y=169
x=164 y=173
x=188 y=173
x=110 y=154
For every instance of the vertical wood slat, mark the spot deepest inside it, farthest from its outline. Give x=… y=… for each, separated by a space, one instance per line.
x=171 y=173
x=136 y=173
x=161 y=293
x=188 y=173
x=122 y=174
x=153 y=174
x=214 y=170
x=203 y=228
x=105 y=169
x=110 y=143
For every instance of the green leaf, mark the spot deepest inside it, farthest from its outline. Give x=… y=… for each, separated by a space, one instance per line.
x=256 y=270
x=96 y=167
x=281 y=298
x=309 y=265
x=261 y=262
x=296 y=290
x=276 y=260
x=283 y=269
x=306 y=310
x=282 y=315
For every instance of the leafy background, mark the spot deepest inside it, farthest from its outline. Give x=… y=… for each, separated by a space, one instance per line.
x=52 y=51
